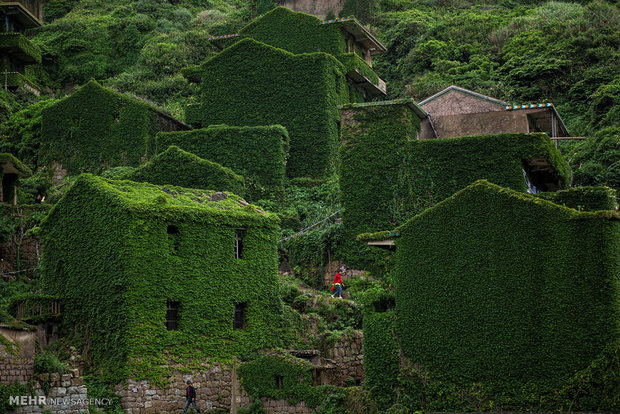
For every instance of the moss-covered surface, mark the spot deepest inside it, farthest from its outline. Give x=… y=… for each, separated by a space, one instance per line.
x=22 y=169
x=387 y=175
x=183 y=169
x=258 y=153
x=18 y=41
x=96 y=128
x=252 y=84
x=296 y=32
x=584 y=198
x=507 y=290
x=127 y=249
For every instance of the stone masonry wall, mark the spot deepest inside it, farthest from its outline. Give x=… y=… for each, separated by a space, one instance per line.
x=283 y=407
x=348 y=359
x=19 y=364
x=216 y=388
x=65 y=394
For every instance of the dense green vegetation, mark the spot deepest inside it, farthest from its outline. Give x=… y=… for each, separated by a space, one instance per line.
x=146 y=245
x=264 y=149
x=520 y=291
x=278 y=87
x=528 y=51
x=183 y=169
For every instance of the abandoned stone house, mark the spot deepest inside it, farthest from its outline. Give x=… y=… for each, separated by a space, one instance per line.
x=96 y=128
x=511 y=279
x=164 y=270
x=456 y=112
x=17 y=53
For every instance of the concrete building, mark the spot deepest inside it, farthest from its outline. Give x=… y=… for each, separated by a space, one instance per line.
x=456 y=112
x=16 y=51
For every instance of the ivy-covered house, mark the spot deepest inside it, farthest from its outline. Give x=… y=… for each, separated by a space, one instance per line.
x=96 y=128
x=294 y=70
x=17 y=54
x=501 y=289
x=258 y=153
x=150 y=274
x=183 y=169
x=388 y=174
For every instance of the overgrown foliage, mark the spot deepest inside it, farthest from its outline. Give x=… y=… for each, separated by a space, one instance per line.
x=301 y=92
x=584 y=198
x=506 y=295
x=284 y=377
x=97 y=128
x=183 y=169
x=134 y=248
x=258 y=153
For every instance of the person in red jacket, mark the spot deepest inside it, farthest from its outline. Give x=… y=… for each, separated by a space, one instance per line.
x=190 y=397
x=337 y=284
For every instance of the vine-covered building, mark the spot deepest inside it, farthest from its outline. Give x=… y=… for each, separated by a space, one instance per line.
x=150 y=272
x=502 y=289
x=96 y=128
x=294 y=70
x=388 y=174
x=11 y=170
x=17 y=53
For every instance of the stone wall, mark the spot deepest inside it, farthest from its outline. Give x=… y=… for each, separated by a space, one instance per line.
x=17 y=363
x=348 y=360
x=63 y=394
x=319 y=8
x=216 y=388
x=283 y=407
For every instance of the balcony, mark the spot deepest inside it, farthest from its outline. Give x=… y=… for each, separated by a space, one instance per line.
x=29 y=13
x=372 y=87
x=15 y=80
x=15 y=44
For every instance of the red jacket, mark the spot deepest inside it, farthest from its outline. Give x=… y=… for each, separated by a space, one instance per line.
x=338 y=278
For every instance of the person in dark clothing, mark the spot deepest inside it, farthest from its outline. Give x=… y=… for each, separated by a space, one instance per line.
x=190 y=397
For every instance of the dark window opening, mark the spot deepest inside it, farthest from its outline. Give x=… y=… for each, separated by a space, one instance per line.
x=239 y=236
x=384 y=304
x=49 y=333
x=358 y=382
x=172 y=315
x=173 y=235
x=279 y=382
x=239 y=319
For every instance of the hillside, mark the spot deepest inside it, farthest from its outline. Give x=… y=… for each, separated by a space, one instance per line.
x=213 y=164
x=561 y=52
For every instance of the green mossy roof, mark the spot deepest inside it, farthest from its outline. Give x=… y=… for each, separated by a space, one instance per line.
x=148 y=197
x=484 y=185
x=23 y=170
x=246 y=44
x=181 y=168
x=26 y=48
x=516 y=196
x=296 y=32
